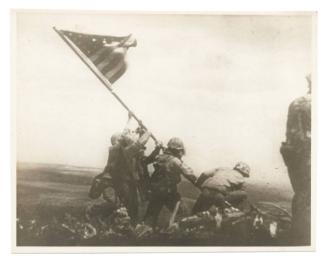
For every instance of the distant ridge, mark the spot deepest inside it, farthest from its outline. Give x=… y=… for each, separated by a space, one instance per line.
x=26 y=165
x=78 y=175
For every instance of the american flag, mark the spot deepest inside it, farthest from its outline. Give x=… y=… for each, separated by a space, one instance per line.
x=106 y=53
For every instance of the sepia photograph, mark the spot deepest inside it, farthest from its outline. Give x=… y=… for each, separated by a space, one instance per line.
x=140 y=131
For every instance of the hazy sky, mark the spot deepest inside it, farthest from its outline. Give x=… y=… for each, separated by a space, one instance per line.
x=221 y=83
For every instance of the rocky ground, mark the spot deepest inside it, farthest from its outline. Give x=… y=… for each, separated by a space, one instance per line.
x=51 y=202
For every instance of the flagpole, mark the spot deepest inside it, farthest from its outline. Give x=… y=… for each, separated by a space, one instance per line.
x=100 y=76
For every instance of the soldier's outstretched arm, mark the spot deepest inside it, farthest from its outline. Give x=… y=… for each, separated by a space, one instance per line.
x=134 y=148
x=188 y=173
x=204 y=176
x=144 y=138
x=150 y=158
x=128 y=126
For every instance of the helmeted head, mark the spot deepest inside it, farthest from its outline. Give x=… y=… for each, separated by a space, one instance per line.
x=243 y=168
x=115 y=138
x=127 y=139
x=176 y=145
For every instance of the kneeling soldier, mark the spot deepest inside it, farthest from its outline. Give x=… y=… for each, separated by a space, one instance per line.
x=222 y=185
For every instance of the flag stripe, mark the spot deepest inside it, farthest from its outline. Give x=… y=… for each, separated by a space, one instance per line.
x=99 y=57
x=106 y=53
x=113 y=61
x=118 y=74
x=109 y=67
x=114 y=70
x=108 y=64
x=96 y=54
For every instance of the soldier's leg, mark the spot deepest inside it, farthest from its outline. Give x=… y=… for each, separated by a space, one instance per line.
x=203 y=203
x=301 y=208
x=131 y=200
x=171 y=203
x=237 y=198
x=219 y=199
x=306 y=239
x=153 y=210
x=296 y=174
x=171 y=200
x=118 y=187
x=307 y=204
x=123 y=192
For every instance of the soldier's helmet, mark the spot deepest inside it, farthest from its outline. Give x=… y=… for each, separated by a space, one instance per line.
x=243 y=168
x=115 y=138
x=176 y=144
x=127 y=139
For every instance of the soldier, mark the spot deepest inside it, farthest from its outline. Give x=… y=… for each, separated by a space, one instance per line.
x=102 y=186
x=138 y=162
x=168 y=168
x=126 y=158
x=296 y=152
x=143 y=172
x=222 y=185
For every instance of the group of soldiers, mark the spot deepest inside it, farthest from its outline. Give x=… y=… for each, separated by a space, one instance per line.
x=126 y=179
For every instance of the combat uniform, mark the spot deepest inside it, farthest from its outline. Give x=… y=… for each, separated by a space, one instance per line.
x=220 y=185
x=102 y=187
x=123 y=167
x=142 y=163
x=296 y=152
x=163 y=182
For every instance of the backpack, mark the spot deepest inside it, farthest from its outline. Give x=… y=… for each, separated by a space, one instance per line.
x=161 y=182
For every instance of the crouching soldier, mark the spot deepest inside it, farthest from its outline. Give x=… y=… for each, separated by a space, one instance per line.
x=168 y=169
x=222 y=186
x=102 y=188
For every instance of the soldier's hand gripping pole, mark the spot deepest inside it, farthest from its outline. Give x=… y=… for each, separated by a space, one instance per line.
x=142 y=126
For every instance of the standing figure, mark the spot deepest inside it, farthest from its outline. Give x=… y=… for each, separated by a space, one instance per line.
x=222 y=185
x=124 y=166
x=168 y=169
x=137 y=161
x=296 y=152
